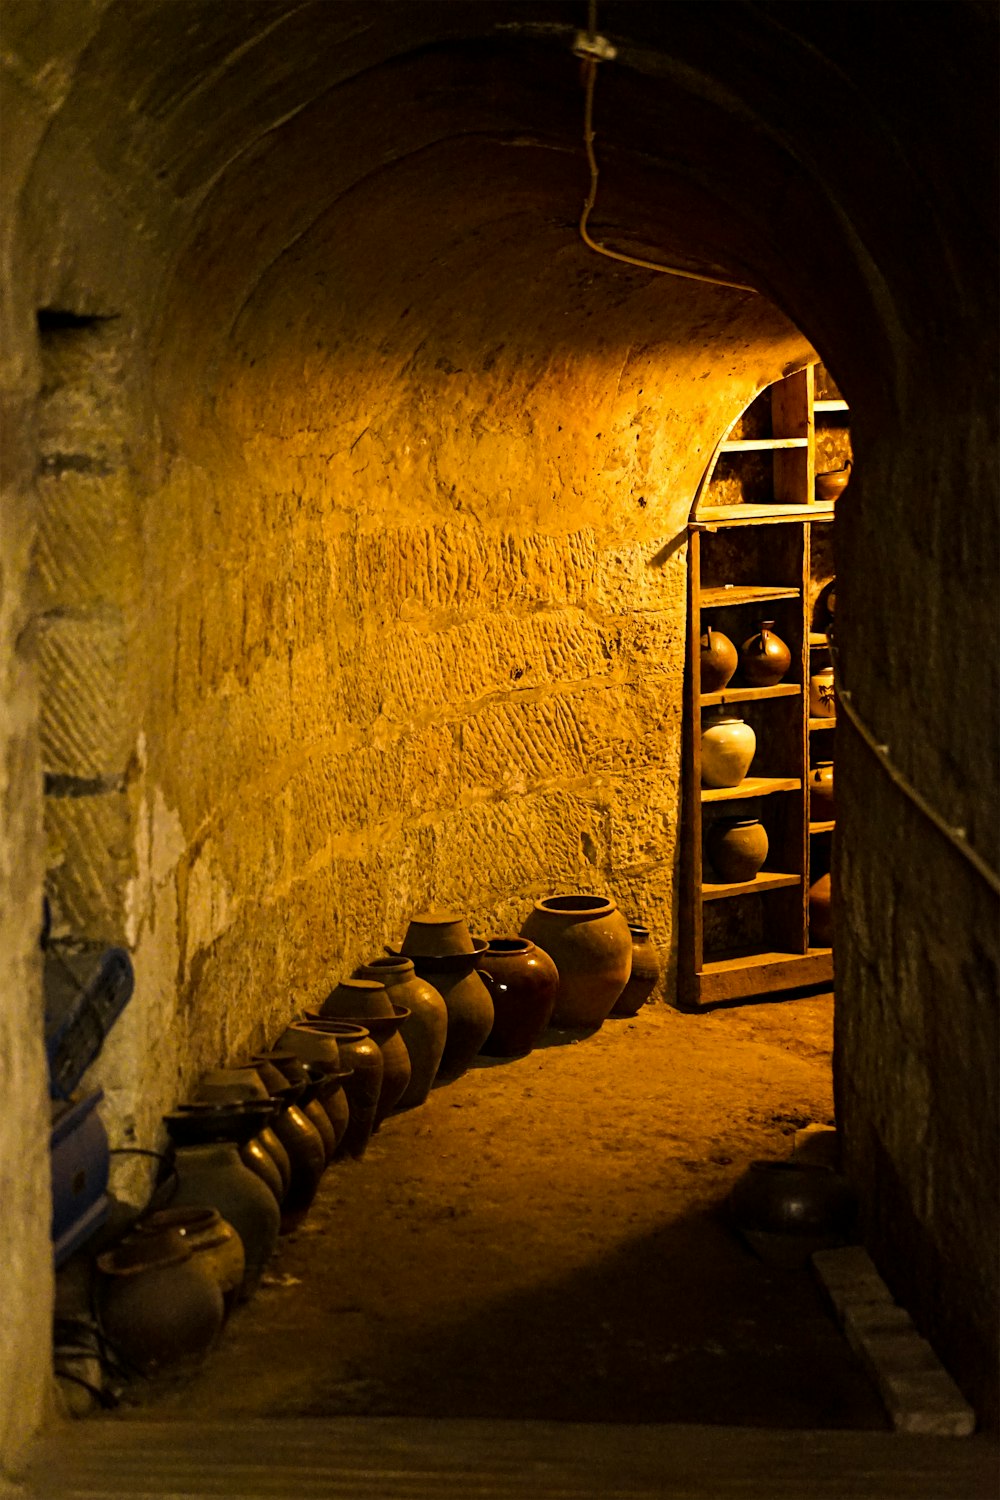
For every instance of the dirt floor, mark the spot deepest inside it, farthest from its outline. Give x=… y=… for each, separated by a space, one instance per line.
x=547 y=1238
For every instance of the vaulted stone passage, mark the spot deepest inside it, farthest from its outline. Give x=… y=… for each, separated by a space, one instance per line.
x=358 y=486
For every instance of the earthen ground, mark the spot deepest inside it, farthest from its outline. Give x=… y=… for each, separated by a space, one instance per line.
x=547 y=1238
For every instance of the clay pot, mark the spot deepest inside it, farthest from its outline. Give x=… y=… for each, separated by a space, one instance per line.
x=425 y=1029
x=787 y=1210
x=433 y=934
x=467 y=1001
x=209 y=1235
x=822 y=698
x=255 y=1155
x=644 y=975
x=523 y=985
x=821 y=791
x=214 y=1176
x=820 y=913
x=588 y=940
x=396 y=1072
x=310 y=1043
x=360 y=1054
x=832 y=483
x=727 y=748
x=737 y=847
x=158 y=1303
x=356 y=1000
x=307 y=1155
x=718 y=660
x=764 y=657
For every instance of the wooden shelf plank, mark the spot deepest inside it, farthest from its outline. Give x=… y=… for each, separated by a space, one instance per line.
x=726 y=594
x=830 y=723
x=750 y=694
x=762 y=445
x=831 y=405
x=825 y=826
x=711 y=516
x=818 y=638
x=751 y=786
x=764 y=880
x=760 y=973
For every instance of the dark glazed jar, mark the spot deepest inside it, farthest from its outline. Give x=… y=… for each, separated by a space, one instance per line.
x=764 y=658
x=588 y=940
x=737 y=848
x=524 y=983
x=467 y=1001
x=644 y=975
x=360 y=1054
x=425 y=1029
x=159 y=1304
x=307 y=1156
x=214 y=1176
x=786 y=1210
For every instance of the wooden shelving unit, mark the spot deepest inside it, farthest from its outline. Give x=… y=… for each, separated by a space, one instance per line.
x=752 y=556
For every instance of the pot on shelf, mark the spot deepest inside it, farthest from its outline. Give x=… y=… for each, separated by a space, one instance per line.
x=524 y=983
x=718 y=660
x=737 y=847
x=644 y=975
x=764 y=657
x=589 y=942
x=821 y=791
x=820 y=913
x=727 y=749
x=832 y=483
x=822 y=695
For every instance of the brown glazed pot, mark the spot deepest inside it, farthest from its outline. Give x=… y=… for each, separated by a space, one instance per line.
x=832 y=483
x=820 y=913
x=821 y=791
x=764 y=657
x=644 y=975
x=467 y=1001
x=307 y=1155
x=588 y=940
x=434 y=934
x=207 y=1234
x=355 y=1000
x=524 y=983
x=360 y=1054
x=255 y=1155
x=215 y=1176
x=718 y=660
x=384 y=1032
x=158 y=1303
x=426 y=1027
x=737 y=847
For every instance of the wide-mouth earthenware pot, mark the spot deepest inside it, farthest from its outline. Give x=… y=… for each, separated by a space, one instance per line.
x=433 y=934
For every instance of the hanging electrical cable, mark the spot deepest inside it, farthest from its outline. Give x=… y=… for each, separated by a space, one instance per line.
x=593 y=49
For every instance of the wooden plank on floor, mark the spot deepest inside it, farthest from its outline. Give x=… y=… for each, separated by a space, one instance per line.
x=389 y=1458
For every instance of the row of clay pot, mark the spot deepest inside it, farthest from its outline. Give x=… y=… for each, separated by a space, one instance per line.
x=250 y=1150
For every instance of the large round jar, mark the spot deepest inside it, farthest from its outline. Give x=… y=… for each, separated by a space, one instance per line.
x=207 y=1234
x=356 y=999
x=307 y=1154
x=764 y=658
x=644 y=974
x=737 y=847
x=158 y=1304
x=718 y=660
x=467 y=1001
x=523 y=982
x=588 y=940
x=261 y=1161
x=215 y=1176
x=360 y=1054
x=425 y=1029
x=727 y=748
